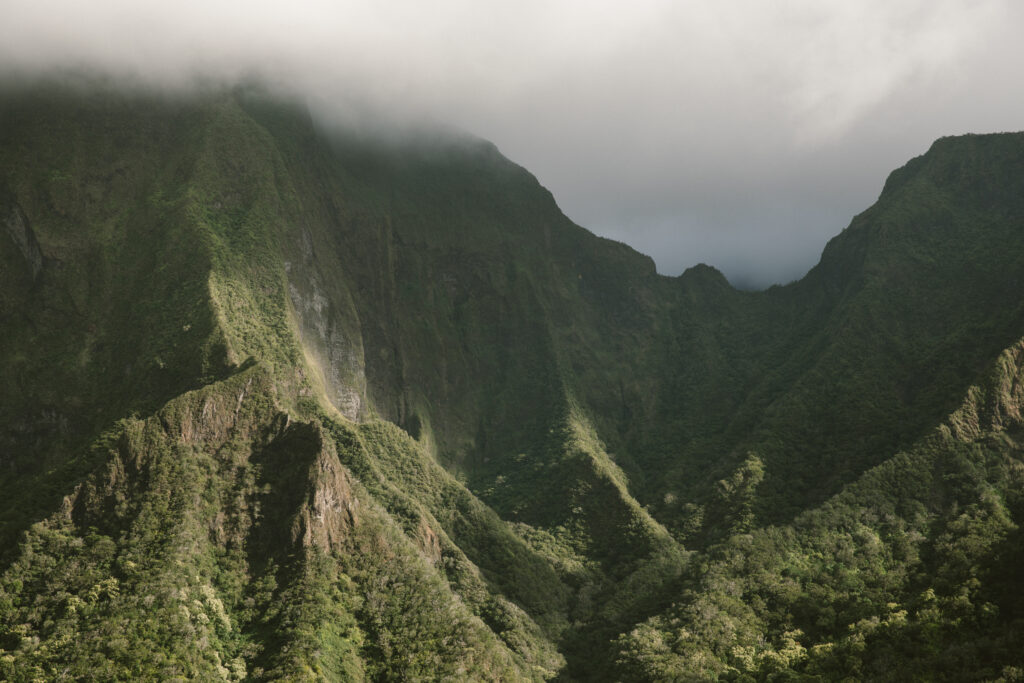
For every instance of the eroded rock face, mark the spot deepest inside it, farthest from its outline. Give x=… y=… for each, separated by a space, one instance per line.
x=330 y=334
x=17 y=227
x=996 y=406
x=214 y=418
x=331 y=510
x=428 y=541
x=234 y=435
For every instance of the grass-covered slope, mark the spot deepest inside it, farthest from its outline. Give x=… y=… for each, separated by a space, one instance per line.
x=911 y=573
x=219 y=538
x=281 y=400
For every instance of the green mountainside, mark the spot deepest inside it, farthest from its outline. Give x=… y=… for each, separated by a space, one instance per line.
x=279 y=400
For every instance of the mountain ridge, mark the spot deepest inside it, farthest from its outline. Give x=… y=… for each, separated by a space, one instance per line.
x=556 y=442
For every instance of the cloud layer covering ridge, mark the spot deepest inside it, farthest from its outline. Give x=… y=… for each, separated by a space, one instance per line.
x=741 y=134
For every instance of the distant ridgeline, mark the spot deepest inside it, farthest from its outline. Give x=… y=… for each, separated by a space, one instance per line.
x=285 y=401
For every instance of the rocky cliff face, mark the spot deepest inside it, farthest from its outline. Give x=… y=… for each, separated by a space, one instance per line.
x=24 y=239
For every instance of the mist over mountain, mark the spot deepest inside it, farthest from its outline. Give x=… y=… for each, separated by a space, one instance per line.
x=284 y=400
x=742 y=136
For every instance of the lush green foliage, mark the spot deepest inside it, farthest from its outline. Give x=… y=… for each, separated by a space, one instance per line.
x=292 y=403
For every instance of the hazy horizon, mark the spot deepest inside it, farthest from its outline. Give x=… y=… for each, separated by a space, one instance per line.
x=741 y=136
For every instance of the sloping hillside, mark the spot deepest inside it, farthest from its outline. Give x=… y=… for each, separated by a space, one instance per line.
x=282 y=400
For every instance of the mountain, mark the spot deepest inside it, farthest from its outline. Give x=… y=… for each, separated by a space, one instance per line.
x=284 y=400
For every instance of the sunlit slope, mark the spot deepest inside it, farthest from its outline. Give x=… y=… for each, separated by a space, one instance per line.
x=913 y=571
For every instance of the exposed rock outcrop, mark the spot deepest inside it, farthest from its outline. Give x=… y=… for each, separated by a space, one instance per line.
x=18 y=229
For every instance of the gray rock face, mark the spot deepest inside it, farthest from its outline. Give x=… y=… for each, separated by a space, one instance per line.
x=329 y=333
x=17 y=227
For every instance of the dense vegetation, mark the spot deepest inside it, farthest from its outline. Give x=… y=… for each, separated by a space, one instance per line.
x=283 y=400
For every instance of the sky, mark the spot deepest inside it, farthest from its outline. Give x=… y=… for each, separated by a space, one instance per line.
x=743 y=134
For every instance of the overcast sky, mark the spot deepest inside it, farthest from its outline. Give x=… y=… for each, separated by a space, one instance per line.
x=741 y=133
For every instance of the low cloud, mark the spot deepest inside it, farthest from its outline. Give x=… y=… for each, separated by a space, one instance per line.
x=741 y=134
